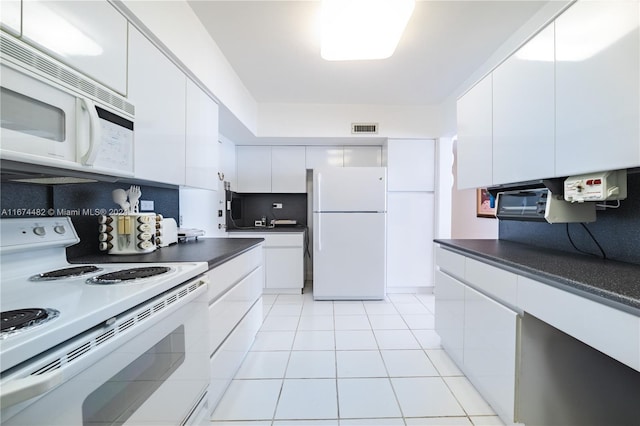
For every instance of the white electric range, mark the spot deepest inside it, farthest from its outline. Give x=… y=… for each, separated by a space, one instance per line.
x=66 y=340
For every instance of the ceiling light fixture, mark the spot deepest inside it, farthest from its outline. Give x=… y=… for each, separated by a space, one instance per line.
x=363 y=29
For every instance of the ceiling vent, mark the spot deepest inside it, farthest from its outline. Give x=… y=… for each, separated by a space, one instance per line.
x=364 y=128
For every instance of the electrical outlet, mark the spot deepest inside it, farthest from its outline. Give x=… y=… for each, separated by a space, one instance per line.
x=219 y=213
x=146 y=205
x=277 y=205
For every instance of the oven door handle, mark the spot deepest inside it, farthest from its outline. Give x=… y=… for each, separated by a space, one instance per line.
x=24 y=389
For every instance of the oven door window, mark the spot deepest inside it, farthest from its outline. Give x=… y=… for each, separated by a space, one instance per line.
x=118 y=398
x=26 y=115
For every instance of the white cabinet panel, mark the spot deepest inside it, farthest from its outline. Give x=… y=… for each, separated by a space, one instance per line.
x=157 y=88
x=90 y=36
x=253 y=168
x=449 y=318
x=597 y=87
x=498 y=283
x=411 y=164
x=362 y=156
x=10 y=18
x=288 y=169
x=201 y=155
x=229 y=273
x=226 y=312
x=588 y=321
x=324 y=156
x=285 y=268
x=228 y=358
x=410 y=239
x=450 y=262
x=524 y=113
x=284 y=260
x=475 y=136
x=276 y=169
x=490 y=348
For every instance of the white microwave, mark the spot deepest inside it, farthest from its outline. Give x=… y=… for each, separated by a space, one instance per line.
x=46 y=121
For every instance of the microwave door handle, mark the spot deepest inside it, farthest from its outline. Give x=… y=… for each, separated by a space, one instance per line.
x=89 y=157
x=24 y=389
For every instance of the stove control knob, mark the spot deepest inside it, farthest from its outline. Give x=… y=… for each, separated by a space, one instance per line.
x=60 y=229
x=40 y=231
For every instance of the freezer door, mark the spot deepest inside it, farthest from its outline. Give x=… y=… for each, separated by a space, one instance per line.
x=350 y=189
x=349 y=256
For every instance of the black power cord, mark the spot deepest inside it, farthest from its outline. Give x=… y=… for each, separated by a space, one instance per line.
x=604 y=256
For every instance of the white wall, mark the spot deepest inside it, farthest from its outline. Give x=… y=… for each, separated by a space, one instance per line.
x=321 y=120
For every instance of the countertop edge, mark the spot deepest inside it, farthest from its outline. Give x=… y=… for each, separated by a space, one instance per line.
x=221 y=251
x=611 y=299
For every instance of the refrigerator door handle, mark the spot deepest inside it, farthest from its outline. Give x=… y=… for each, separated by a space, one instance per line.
x=319 y=192
x=320 y=232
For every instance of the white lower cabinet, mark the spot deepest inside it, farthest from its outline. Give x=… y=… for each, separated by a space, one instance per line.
x=283 y=260
x=449 y=317
x=479 y=333
x=490 y=350
x=235 y=315
x=226 y=361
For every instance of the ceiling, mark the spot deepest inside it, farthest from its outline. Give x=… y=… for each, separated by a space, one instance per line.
x=274 y=48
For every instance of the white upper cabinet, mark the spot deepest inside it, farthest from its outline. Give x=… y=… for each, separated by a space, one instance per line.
x=324 y=156
x=157 y=88
x=10 y=17
x=265 y=169
x=253 y=165
x=524 y=113
x=597 y=87
x=288 y=170
x=475 y=136
x=411 y=165
x=201 y=156
x=90 y=36
x=362 y=156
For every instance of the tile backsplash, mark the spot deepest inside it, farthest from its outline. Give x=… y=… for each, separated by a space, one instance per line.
x=617 y=230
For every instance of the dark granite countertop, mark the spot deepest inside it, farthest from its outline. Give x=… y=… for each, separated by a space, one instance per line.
x=215 y=251
x=616 y=284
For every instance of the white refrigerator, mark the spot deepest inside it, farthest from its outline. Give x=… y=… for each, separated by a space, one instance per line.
x=349 y=233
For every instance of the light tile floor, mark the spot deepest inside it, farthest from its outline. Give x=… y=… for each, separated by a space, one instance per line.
x=344 y=363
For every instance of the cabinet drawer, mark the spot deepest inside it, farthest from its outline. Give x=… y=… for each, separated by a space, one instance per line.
x=229 y=273
x=226 y=312
x=227 y=359
x=495 y=282
x=450 y=262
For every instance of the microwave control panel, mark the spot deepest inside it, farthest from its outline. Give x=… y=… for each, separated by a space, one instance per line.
x=604 y=186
